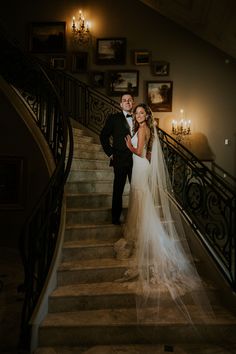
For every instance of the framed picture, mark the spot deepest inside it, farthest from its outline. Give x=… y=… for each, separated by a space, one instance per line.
x=80 y=62
x=11 y=182
x=47 y=37
x=58 y=63
x=97 y=79
x=111 y=51
x=160 y=68
x=142 y=57
x=159 y=95
x=123 y=81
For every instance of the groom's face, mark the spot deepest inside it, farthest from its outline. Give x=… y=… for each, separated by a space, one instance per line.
x=127 y=103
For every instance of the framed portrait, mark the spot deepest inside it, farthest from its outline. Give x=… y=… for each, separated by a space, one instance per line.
x=111 y=51
x=142 y=57
x=123 y=81
x=159 y=95
x=11 y=182
x=160 y=68
x=58 y=63
x=47 y=37
x=97 y=79
x=79 y=62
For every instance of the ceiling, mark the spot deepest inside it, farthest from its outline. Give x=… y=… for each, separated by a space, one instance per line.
x=212 y=20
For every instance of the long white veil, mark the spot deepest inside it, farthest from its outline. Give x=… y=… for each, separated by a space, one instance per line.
x=168 y=278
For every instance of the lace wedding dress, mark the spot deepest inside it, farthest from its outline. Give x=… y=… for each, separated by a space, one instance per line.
x=155 y=241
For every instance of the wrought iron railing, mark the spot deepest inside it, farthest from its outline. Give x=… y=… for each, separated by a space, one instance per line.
x=82 y=103
x=224 y=175
x=39 y=236
x=205 y=198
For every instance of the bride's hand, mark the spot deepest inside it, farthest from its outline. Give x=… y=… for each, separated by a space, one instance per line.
x=128 y=141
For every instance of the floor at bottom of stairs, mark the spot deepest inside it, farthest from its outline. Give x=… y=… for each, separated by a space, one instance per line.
x=11 y=302
x=143 y=349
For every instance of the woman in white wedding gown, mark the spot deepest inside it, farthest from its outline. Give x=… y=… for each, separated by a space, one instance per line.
x=154 y=238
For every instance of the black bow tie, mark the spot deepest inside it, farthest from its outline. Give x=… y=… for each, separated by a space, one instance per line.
x=129 y=116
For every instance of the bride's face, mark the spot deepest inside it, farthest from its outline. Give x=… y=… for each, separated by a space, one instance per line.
x=140 y=115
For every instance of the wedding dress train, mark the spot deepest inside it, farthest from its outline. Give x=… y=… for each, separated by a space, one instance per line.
x=154 y=239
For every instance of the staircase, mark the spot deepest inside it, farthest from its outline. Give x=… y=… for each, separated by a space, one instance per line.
x=89 y=313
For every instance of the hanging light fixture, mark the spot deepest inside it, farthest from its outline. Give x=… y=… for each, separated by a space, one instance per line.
x=80 y=29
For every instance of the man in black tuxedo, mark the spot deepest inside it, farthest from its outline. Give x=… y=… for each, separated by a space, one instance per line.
x=117 y=127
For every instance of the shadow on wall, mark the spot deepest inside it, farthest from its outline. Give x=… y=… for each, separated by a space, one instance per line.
x=198 y=144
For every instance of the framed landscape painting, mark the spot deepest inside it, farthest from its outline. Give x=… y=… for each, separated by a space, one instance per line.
x=111 y=51
x=58 y=63
x=160 y=68
x=159 y=95
x=142 y=57
x=123 y=81
x=97 y=79
x=47 y=37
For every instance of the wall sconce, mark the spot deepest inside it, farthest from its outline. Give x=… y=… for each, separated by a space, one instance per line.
x=182 y=127
x=80 y=30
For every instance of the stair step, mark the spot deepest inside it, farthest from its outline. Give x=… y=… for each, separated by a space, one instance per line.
x=177 y=348
x=76 y=232
x=82 y=139
x=90 y=175
x=91 y=271
x=88 y=200
x=104 y=295
x=87 y=186
x=92 y=296
x=88 y=249
x=78 y=131
x=119 y=326
x=85 y=154
x=89 y=164
x=90 y=215
x=78 y=145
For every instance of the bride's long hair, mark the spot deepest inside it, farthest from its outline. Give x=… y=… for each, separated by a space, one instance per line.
x=149 y=122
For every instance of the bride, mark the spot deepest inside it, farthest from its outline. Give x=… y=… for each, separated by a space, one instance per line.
x=154 y=237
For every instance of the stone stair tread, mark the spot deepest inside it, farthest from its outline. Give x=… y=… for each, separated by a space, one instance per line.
x=95 y=263
x=99 y=289
x=78 y=158
x=87 y=243
x=127 y=317
x=94 y=194
x=95 y=289
x=177 y=348
x=90 y=209
x=98 y=224
x=100 y=263
x=92 y=181
x=90 y=143
x=95 y=226
x=92 y=169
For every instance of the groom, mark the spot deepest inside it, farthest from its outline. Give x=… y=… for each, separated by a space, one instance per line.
x=117 y=126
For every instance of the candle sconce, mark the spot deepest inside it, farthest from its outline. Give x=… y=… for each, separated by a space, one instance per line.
x=80 y=30
x=182 y=127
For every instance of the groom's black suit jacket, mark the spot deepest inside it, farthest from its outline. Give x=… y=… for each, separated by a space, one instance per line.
x=117 y=127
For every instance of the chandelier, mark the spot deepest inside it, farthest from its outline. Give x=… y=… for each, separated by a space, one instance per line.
x=182 y=127
x=80 y=30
